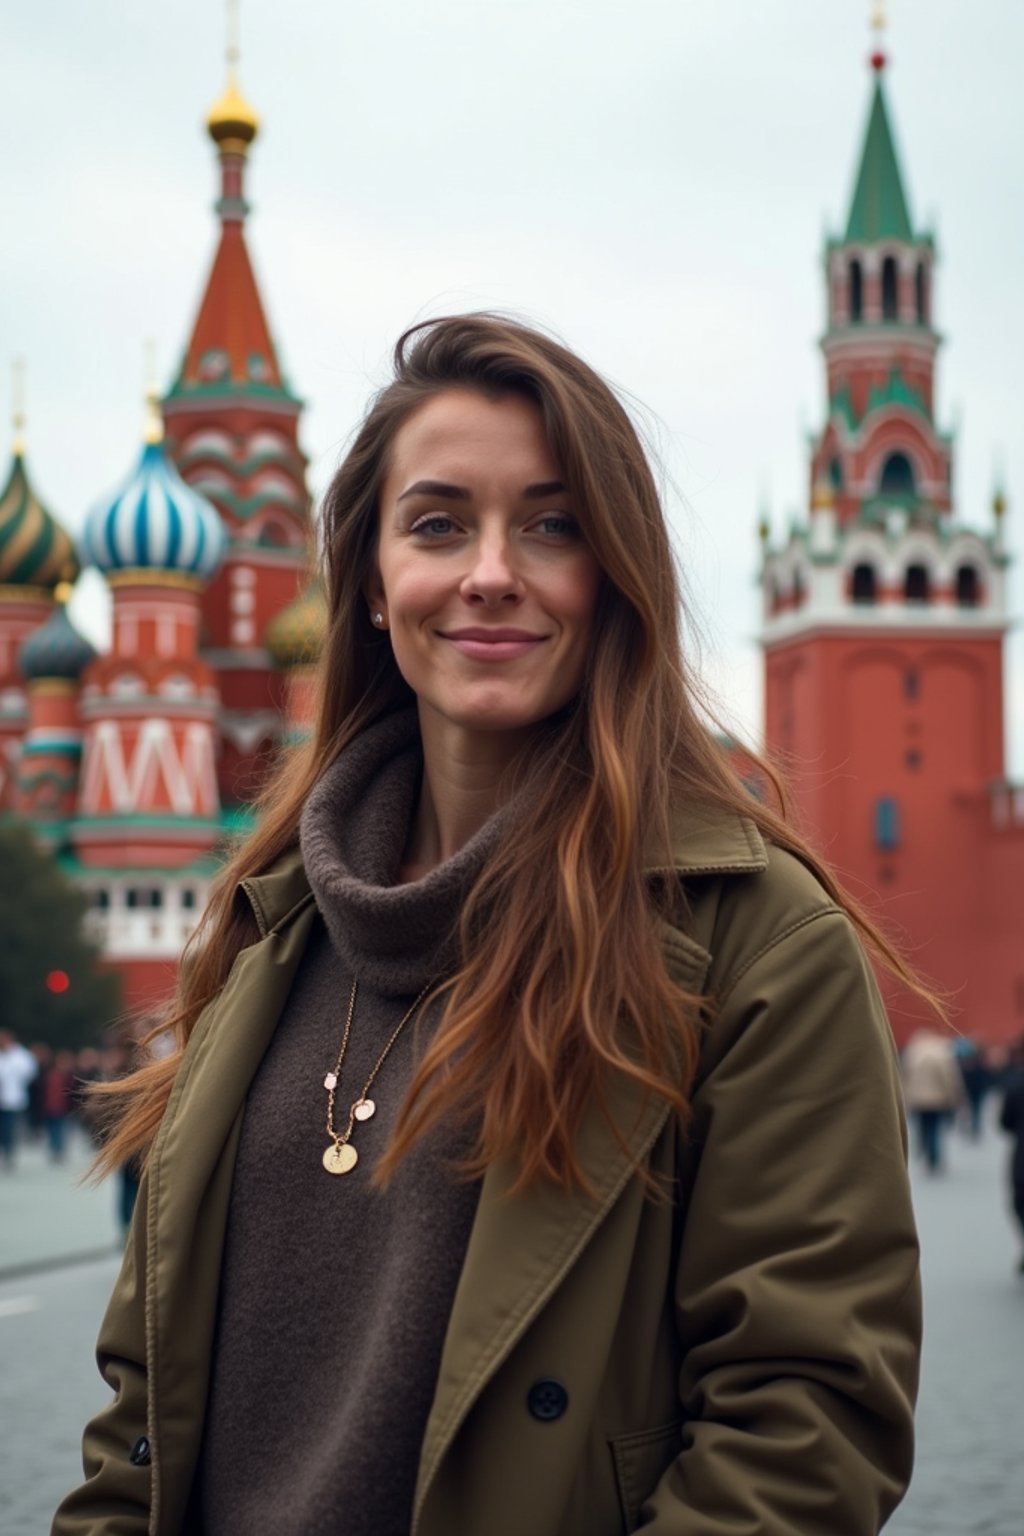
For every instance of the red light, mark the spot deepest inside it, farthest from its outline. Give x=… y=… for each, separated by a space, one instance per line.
x=58 y=981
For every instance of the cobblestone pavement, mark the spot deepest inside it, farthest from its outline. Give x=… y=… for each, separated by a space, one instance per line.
x=970 y=1460
x=970 y=1474
x=47 y=1215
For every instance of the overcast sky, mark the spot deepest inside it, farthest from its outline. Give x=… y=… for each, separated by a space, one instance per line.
x=652 y=179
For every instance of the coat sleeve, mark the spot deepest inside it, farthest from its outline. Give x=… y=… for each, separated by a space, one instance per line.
x=797 y=1290
x=114 y=1499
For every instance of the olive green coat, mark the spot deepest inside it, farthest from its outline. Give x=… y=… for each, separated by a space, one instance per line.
x=739 y=1362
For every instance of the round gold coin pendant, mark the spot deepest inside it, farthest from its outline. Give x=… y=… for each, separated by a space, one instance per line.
x=340 y=1159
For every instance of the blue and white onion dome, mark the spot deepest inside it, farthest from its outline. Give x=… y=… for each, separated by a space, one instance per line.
x=155 y=521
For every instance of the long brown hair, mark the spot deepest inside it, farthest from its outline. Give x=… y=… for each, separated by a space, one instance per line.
x=562 y=981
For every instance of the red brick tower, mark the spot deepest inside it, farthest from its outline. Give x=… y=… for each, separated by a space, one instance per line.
x=232 y=430
x=884 y=619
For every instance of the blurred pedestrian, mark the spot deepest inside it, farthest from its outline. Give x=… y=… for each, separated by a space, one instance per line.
x=87 y=1071
x=934 y=1090
x=36 y=1117
x=977 y=1076
x=18 y=1068
x=57 y=1097
x=1011 y=1118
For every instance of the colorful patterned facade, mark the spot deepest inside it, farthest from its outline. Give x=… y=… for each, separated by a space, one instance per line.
x=884 y=617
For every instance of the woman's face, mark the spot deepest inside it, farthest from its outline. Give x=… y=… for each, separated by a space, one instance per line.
x=483 y=577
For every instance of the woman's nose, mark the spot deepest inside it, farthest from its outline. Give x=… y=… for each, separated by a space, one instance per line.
x=492 y=576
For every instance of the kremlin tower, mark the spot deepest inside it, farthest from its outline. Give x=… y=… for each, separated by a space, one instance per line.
x=232 y=430
x=884 y=617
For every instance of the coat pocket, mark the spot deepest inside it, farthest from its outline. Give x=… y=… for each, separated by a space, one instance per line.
x=640 y=1459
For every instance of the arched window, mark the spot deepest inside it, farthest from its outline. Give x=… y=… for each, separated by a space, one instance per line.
x=835 y=473
x=916 y=584
x=890 y=289
x=865 y=584
x=799 y=589
x=921 y=294
x=968 y=587
x=856 y=291
x=897 y=476
x=274 y=534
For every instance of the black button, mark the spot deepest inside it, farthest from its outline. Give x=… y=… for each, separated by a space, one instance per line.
x=139 y=1453
x=547 y=1400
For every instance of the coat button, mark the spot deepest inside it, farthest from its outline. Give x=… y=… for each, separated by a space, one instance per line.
x=547 y=1400
x=139 y=1453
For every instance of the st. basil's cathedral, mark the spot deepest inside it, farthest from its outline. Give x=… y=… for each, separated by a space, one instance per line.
x=884 y=619
x=138 y=766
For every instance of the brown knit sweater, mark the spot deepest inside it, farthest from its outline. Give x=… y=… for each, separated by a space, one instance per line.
x=334 y=1297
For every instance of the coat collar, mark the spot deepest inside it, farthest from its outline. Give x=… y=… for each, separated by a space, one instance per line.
x=705 y=841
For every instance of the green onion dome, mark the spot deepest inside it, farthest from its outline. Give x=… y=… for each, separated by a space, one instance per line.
x=55 y=649
x=35 y=551
x=295 y=636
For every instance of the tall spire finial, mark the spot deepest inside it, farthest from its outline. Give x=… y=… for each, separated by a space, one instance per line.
x=234 y=48
x=18 y=405
x=878 y=20
x=154 y=429
x=231 y=121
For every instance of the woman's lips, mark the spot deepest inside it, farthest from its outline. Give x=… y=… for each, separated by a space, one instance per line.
x=493 y=644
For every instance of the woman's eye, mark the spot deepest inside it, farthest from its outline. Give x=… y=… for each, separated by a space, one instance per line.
x=558 y=525
x=436 y=525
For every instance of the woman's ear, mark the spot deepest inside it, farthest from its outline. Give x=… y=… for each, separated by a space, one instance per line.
x=373 y=592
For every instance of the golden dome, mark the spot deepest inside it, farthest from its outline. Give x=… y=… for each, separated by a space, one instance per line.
x=231 y=121
x=295 y=636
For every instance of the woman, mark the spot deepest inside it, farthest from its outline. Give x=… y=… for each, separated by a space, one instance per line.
x=533 y=1159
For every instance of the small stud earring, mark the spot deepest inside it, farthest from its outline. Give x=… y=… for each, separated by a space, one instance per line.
x=378 y=618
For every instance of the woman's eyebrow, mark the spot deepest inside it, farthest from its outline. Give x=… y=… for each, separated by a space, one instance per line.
x=437 y=488
x=461 y=493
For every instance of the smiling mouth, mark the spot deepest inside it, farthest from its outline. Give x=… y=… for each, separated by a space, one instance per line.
x=492 y=644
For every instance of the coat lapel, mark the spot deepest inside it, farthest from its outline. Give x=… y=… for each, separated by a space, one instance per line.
x=522 y=1246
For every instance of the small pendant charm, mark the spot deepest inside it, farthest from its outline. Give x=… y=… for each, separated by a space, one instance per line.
x=331 y=1081
x=340 y=1159
x=364 y=1109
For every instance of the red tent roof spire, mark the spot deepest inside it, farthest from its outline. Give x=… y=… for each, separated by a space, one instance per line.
x=230 y=349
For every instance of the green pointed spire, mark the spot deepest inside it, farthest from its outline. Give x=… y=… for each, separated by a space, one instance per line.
x=879 y=208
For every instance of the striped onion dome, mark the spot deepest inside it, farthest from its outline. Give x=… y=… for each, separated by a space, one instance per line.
x=34 y=549
x=295 y=636
x=55 y=649
x=155 y=522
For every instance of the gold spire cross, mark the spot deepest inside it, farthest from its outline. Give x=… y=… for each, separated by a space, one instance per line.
x=18 y=404
x=154 y=429
x=234 y=47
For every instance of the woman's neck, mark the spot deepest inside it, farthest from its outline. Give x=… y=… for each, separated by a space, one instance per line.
x=462 y=788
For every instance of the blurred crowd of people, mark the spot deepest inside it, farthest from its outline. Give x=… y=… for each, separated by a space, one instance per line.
x=44 y=1101
x=947 y=1080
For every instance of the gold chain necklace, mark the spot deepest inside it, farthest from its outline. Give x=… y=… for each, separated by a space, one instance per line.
x=341 y=1156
